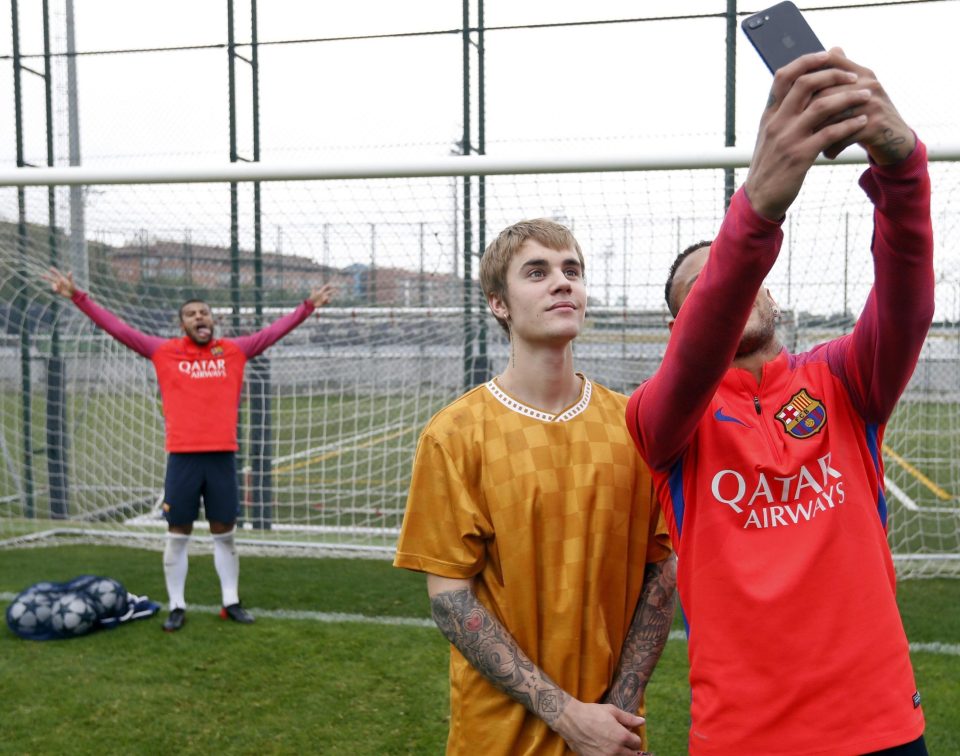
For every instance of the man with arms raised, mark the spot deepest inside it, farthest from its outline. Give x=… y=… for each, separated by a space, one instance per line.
x=200 y=379
x=767 y=463
x=547 y=561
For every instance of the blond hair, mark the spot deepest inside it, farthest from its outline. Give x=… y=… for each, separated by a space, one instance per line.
x=498 y=254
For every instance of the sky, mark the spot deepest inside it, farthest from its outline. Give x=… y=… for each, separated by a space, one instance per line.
x=630 y=82
x=631 y=87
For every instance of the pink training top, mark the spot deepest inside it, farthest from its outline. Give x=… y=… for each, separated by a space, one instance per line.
x=200 y=385
x=773 y=494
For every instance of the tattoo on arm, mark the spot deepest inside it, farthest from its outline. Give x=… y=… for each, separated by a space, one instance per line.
x=646 y=637
x=487 y=645
x=892 y=145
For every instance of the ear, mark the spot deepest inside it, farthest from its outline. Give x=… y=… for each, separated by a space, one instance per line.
x=773 y=303
x=498 y=307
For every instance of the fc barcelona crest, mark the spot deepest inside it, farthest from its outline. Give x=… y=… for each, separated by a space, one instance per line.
x=216 y=351
x=803 y=416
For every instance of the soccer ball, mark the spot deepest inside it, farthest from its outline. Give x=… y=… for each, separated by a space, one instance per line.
x=20 y=616
x=72 y=614
x=30 y=614
x=109 y=597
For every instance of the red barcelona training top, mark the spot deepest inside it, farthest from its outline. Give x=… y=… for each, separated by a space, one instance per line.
x=200 y=385
x=773 y=494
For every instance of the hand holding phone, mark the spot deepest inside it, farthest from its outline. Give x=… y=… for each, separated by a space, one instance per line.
x=780 y=34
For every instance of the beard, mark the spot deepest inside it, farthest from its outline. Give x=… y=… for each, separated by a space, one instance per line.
x=193 y=337
x=757 y=337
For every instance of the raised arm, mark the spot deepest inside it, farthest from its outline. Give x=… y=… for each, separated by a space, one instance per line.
x=879 y=357
x=487 y=645
x=663 y=413
x=255 y=343
x=141 y=343
x=647 y=635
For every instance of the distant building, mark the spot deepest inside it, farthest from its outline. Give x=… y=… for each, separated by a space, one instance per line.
x=206 y=266
x=209 y=266
x=398 y=287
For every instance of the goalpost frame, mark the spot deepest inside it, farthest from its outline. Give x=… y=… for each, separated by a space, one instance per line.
x=451 y=166
x=466 y=165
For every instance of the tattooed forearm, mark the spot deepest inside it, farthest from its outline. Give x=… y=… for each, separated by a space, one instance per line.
x=891 y=147
x=487 y=645
x=647 y=635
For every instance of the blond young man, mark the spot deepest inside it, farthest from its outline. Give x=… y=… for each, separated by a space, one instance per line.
x=547 y=559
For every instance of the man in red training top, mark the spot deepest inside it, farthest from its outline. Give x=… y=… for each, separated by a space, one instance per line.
x=767 y=464
x=200 y=380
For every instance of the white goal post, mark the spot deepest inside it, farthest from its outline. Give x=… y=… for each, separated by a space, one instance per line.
x=331 y=414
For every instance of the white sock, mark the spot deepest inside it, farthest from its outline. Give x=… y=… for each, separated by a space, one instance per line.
x=227 y=562
x=175 y=569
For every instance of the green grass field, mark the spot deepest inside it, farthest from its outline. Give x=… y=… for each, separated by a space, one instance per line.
x=313 y=682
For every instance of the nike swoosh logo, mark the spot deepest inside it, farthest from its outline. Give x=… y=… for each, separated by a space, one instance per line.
x=727 y=419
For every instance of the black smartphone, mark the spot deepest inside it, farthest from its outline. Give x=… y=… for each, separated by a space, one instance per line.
x=780 y=34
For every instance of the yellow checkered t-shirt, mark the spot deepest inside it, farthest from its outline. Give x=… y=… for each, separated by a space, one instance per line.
x=555 y=518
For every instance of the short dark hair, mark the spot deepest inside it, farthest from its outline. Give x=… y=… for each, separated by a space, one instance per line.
x=191 y=301
x=667 y=290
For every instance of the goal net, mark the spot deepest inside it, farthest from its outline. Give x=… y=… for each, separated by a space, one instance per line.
x=331 y=414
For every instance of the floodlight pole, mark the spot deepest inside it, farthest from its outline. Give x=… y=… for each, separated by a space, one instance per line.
x=475 y=364
x=259 y=383
x=79 y=259
x=56 y=407
x=730 y=126
x=56 y=369
x=234 y=200
x=259 y=487
x=465 y=149
x=20 y=302
x=482 y=364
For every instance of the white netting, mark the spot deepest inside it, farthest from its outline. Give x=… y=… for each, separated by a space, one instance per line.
x=326 y=456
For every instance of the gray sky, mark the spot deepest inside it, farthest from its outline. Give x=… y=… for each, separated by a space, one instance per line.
x=630 y=87
x=631 y=82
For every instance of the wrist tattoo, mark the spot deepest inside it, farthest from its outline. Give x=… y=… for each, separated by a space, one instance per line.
x=892 y=145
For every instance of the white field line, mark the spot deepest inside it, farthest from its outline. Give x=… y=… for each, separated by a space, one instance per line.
x=294 y=614
x=338 y=445
x=936 y=647
x=943 y=649
x=948 y=649
x=326 y=617
x=897 y=492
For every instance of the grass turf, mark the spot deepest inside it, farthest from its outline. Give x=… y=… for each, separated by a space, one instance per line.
x=301 y=685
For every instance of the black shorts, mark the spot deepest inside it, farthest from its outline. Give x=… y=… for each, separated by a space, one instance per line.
x=211 y=476
x=914 y=748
